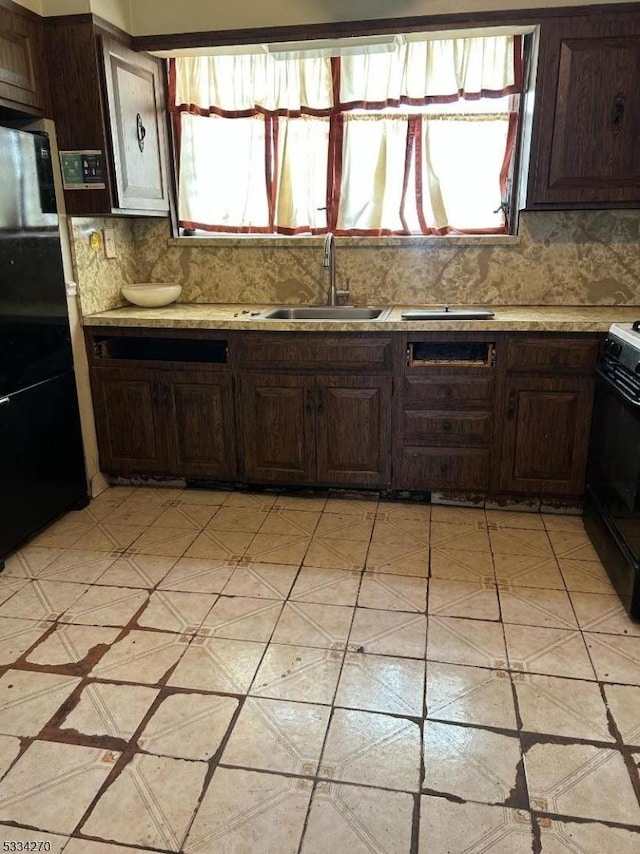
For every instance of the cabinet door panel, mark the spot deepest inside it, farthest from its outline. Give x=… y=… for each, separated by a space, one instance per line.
x=136 y=112
x=546 y=435
x=129 y=437
x=278 y=428
x=203 y=441
x=21 y=64
x=354 y=430
x=443 y=468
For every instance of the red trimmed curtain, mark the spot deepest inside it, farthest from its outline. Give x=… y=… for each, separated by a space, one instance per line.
x=418 y=141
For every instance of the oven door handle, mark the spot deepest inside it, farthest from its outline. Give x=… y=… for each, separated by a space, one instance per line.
x=630 y=400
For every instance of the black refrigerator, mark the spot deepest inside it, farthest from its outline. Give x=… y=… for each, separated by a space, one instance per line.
x=42 y=471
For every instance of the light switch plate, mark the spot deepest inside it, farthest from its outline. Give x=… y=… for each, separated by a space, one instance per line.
x=110 y=243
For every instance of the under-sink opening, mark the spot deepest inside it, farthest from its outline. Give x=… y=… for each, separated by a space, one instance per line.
x=454 y=353
x=161 y=349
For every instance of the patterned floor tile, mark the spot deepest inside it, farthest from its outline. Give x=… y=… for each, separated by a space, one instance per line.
x=51 y=785
x=277 y=548
x=242 y=618
x=188 y=726
x=54 y=842
x=194 y=575
x=562 y=522
x=329 y=553
x=64 y=533
x=29 y=561
x=298 y=673
x=295 y=523
x=218 y=664
x=143 y=497
x=69 y=644
x=310 y=624
x=365 y=508
x=277 y=736
x=143 y=657
x=398 y=559
x=144 y=571
x=397 y=530
x=247 y=519
x=352 y=818
x=463 y=599
x=470 y=695
x=344 y=526
x=473 y=517
x=516 y=541
x=109 y=537
x=581 y=780
x=173 y=611
x=9 y=586
x=446 y=535
x=143 y=516
x=79 y=565
x=261 y=580
x=28 y=700
x=554 y=652
x=585 y=576
x=624 y=704
x=220 y=545
x=106 y=606
x=326 y=586
x=527 y=571
x=498 y=519
x=458 y=641
x=191 y=517
x=615 y=658
x=9 y=750
x=473 y=764
x=393 y=592
x=377 y=750
x=564 y=837
x=313 y=503
x=42 y=600
x=245 y=811
x=555 y=706
x=253 y=500
x=388 y=633
x=112 y=710
x=473 y=828
x=461 y=565
x=161 y=796
x=598 y=613
x=382 y=683
x=536 y=606
x=16 y=636
x=572 y=546
x=87 y=846
x=404 y=511
x=209 y=497
x=168 y=542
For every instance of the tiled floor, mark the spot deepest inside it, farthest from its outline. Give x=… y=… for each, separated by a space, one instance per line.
x=217 y=673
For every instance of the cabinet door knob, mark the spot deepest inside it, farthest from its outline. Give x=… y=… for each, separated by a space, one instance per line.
x=141 y=132
x=617 y=113
x=447 y=426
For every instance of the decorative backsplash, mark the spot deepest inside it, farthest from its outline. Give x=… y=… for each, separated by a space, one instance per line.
x=560 y=258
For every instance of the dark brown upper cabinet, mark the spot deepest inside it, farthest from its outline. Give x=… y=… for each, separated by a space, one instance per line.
x=110 y=99
x=23 y=82
x=586 y=125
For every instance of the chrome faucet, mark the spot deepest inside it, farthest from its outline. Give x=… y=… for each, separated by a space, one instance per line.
x=329 y=263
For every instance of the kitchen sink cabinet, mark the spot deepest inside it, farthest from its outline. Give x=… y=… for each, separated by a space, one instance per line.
x=586 y=125
x=323 y=430
x=160 y=422
x=544 y=414
x=109 y=99
x=23 y=79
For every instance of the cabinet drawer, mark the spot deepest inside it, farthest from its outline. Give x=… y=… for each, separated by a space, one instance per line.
x=531 y=354
x=436 y=390
x=443 y=468
x=317 y=352
x=425 y=427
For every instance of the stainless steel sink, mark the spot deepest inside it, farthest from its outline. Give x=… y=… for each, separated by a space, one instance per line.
x=447 y=314
x=326 y=312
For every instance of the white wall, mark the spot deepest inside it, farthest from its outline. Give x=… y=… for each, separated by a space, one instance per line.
x=33 y=5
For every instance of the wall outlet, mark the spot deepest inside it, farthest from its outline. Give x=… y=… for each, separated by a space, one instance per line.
x=110 y=243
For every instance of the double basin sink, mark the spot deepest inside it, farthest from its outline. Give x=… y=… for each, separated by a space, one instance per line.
x=346 y=312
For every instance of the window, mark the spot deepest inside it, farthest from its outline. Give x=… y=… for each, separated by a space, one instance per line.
x=418 y=140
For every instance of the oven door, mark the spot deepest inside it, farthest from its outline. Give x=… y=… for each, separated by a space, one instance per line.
x=612 y=513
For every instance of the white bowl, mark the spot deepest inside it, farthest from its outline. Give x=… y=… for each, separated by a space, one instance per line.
x=151 y=295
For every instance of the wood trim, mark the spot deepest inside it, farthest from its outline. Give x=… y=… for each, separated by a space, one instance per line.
x=344 y=29
x=17 y=9
x=89 y=18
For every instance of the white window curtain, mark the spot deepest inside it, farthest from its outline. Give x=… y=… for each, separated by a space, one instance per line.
x=416 y=141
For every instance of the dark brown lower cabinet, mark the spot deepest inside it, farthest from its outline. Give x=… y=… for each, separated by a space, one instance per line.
x=165 y=422
x=545 y=435
x=325 y=430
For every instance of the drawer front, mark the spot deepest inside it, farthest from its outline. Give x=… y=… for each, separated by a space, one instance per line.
x=464 y=391
x=531 y=354
x=466 y=429
x=443 y=468
x=369 y=354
